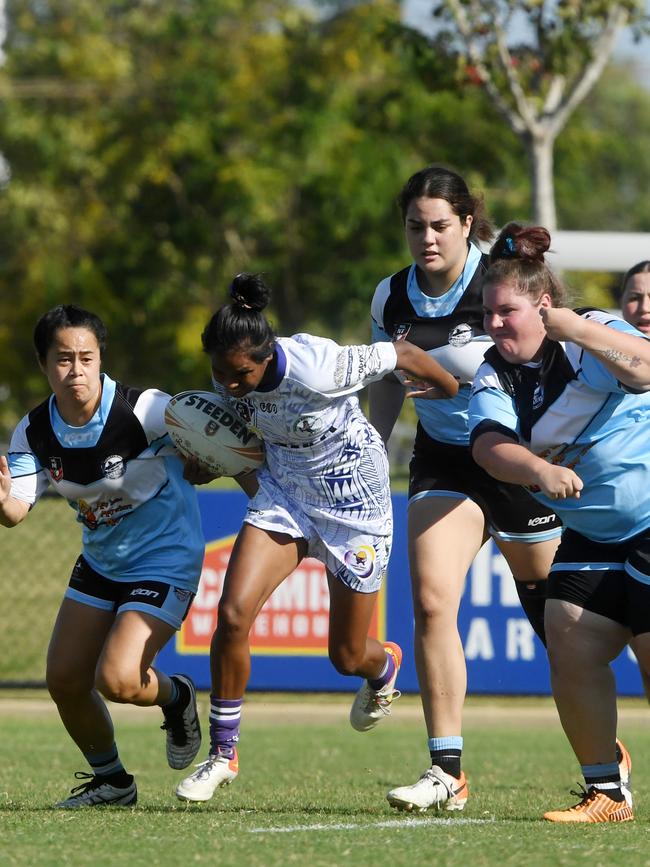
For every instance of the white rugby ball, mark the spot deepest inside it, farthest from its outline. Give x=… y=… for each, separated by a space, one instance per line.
x=463 y=361
x=203 y=426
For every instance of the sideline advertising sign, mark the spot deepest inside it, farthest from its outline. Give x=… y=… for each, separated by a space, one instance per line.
x=289 y=638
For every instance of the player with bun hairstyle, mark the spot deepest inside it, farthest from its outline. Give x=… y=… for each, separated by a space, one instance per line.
x=562 y=406
x=103 y=447
x=324 y=492
x=454 y=505
x=635 y=296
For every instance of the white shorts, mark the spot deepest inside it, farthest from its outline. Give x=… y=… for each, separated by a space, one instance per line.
x=356 y=558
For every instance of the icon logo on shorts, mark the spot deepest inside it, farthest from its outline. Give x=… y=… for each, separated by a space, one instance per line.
x=541 y=519
x=114 y=467
x=181 y=595
x=460 y=335
x=361 y=560
x=56 y=469
x=142 y=591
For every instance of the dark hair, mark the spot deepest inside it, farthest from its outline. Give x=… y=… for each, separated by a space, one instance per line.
x=639 y=268
x=438 y=182
x=241 y=324
x=517 y=257
x=66 y=316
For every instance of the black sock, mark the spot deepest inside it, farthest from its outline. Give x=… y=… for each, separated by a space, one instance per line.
x=448 y=760
x=532 y=595
x=181 y=700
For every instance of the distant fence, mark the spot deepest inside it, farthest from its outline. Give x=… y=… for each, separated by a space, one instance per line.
x=289 y=638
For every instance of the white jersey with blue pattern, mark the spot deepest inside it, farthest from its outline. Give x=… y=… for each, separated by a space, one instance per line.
x=320 y=448
x=140 y=518
x=594 y=425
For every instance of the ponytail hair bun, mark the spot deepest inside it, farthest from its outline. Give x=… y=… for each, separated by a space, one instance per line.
x=527 y=243
x=250 y=292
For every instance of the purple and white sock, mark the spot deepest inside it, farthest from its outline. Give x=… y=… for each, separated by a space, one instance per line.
x=225 y=719
x=384 y=675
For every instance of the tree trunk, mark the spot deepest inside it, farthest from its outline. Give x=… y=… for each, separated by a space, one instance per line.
x=539 y=149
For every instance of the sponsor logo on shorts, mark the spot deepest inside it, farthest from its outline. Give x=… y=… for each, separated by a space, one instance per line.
x=361 y=560
x=460 y=335
x=541 y=519
x=143 y=591
x=113 y=467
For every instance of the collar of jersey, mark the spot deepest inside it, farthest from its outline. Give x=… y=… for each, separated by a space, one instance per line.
x=280 y=370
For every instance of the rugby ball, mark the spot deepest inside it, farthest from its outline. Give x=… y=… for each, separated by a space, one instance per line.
x=462 y=361
x=204 y=426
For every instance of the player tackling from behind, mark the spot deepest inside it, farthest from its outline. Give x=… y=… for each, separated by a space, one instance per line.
x=103 y=447
x=324 y=492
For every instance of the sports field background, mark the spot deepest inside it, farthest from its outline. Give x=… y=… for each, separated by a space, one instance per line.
x=311 y=791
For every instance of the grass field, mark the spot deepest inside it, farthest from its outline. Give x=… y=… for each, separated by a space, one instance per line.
x=312 y=792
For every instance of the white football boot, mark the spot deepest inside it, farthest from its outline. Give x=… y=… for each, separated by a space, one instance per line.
x=370 y=705
x=218 y=770
x=435 y=788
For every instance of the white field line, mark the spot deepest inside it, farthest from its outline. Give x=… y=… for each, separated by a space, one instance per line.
x=366 y=826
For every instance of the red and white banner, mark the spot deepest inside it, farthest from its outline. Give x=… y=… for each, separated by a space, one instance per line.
x=294 y=620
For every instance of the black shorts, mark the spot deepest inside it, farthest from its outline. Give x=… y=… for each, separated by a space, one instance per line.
x=162 y=601
x=511 y=513
x=610 y=580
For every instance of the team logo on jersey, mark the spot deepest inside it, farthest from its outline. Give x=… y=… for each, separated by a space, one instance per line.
x=460 y=335
x=402 y=331
x=113 y=467
x=308 y=426
x=538 y=396
x=56 y=468
x=361 y=560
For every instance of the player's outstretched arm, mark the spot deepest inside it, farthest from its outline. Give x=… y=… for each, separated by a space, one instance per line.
x=421 y=366
x=12 y=511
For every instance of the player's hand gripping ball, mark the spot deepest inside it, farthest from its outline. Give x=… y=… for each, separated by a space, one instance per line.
x=203 y=426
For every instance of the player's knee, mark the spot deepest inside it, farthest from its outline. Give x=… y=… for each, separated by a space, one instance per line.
x=62 y=686
x=123 y=687
x=233 y=623
x=431 y=612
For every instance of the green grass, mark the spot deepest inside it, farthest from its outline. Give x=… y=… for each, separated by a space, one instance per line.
x=312 y=792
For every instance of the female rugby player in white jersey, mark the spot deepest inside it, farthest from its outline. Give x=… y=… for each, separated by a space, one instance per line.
x=323 y=492
x=102 y=446
x=562 y=405
x=454 y=505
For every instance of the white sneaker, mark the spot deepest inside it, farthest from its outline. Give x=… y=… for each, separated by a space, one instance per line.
x=216 y=771
x=435 y=788
x=96 y=792
x=183 y=730
x=625 y=770
x=372 y=705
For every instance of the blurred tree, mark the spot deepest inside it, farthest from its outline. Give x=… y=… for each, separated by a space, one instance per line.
x=536 y=81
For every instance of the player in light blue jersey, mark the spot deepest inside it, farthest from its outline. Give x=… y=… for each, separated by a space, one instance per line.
x=454 y=506
x=635 y=296
x=562 y=406
x=324 y=492
x=103 y=447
